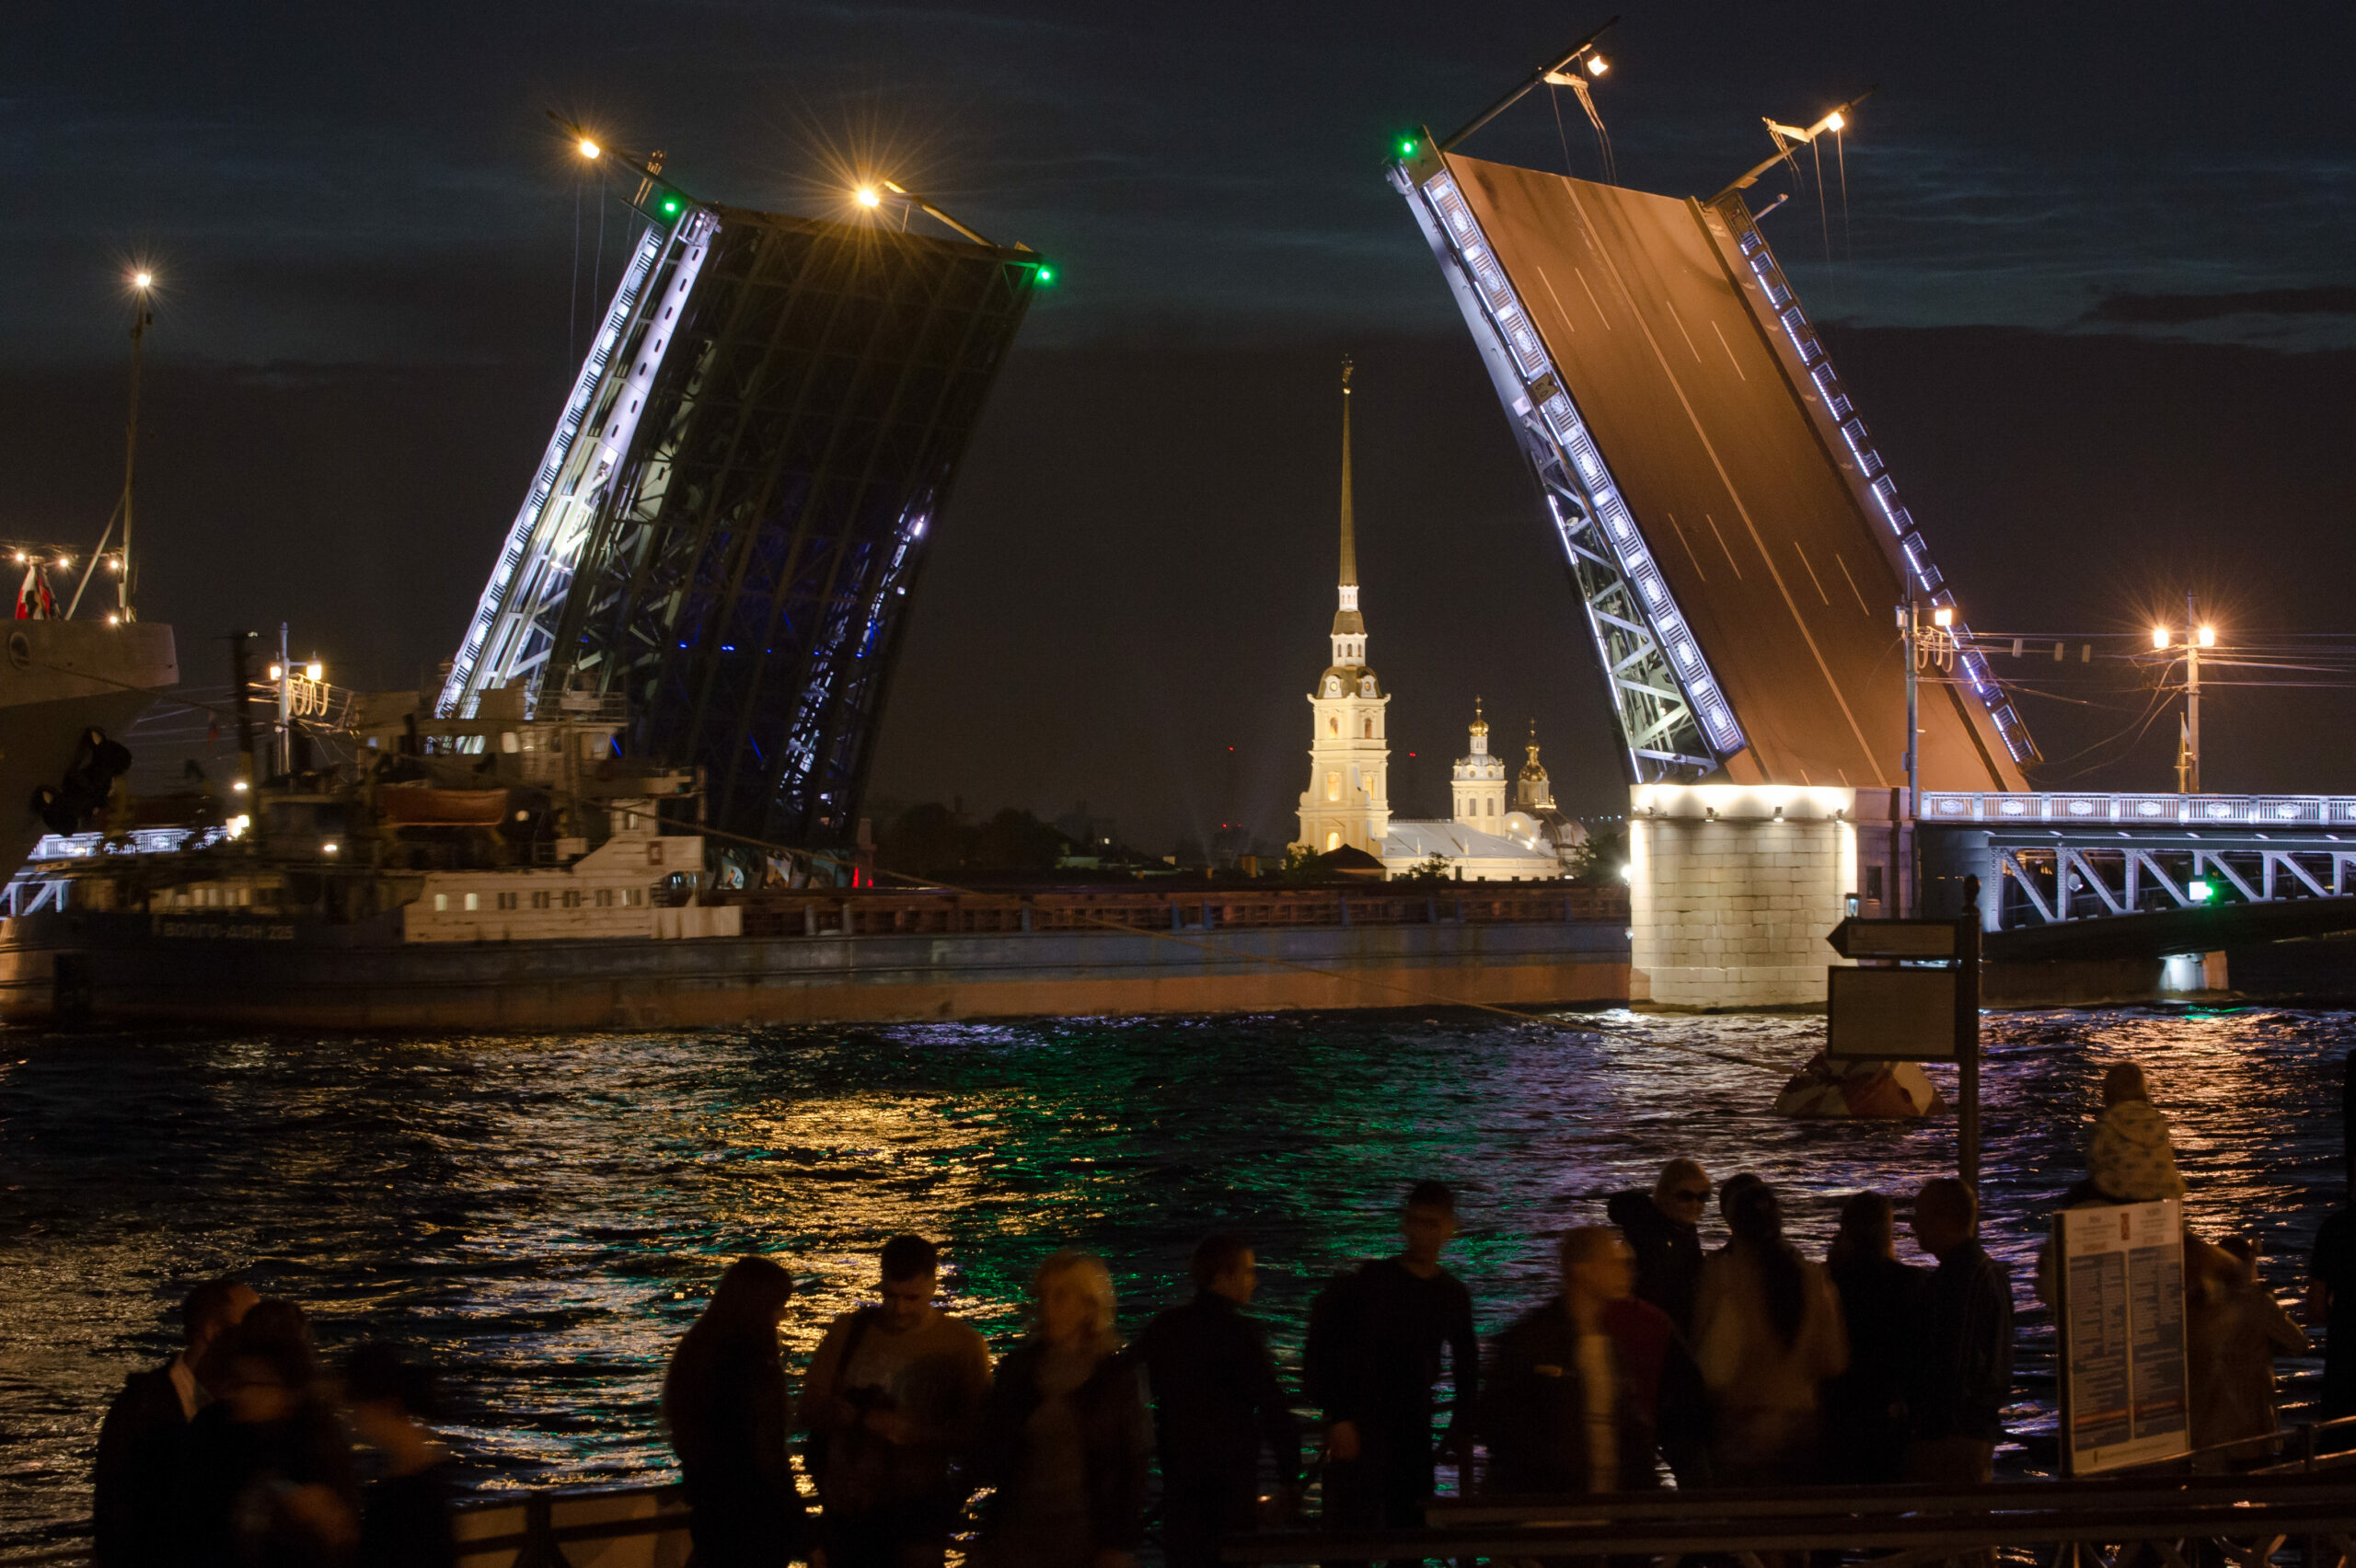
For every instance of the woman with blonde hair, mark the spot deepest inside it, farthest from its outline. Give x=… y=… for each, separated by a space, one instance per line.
x=1063 y=1431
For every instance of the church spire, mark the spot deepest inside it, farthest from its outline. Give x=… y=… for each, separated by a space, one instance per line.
x=1347 y=622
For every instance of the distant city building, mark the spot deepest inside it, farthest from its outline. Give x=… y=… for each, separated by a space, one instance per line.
x=1347 y=805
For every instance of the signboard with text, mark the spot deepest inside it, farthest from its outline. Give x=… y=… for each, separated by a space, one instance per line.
x=2125 y=1379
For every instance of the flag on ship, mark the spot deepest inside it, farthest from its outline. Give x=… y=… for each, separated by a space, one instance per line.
x=34 y=601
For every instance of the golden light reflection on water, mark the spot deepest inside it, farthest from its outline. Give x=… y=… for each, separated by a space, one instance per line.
x=543 y=1217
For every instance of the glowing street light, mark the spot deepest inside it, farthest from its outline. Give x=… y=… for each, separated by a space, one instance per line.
x=590 y=149
x=1597 y=64
x=1834 y=121
x=1943 y=615
x=142 y=281
x=868 y=196
x=2197 y=636
x=313 y=670
x=2159 y=636
x=2208 y=637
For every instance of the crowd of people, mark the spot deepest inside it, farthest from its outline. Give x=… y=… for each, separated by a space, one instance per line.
x=1749 y=1365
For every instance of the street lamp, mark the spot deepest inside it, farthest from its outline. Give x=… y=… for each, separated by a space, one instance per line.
x=868 y=196
x=2197 y=636
x=590 y=149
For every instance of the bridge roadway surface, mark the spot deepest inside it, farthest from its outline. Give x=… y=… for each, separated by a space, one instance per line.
x=1724 y=452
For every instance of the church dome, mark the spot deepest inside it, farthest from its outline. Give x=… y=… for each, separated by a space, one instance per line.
x=1349 y=680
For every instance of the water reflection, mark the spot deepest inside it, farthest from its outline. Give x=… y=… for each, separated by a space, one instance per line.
x=542 y=1215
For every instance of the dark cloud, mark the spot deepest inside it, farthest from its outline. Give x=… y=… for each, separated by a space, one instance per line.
x=2147 y=309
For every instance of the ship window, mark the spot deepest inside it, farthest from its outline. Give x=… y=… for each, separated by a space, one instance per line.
x=655 y=854
x=441 y=902
x=474 y=901
x=509 y=744
x=573 y=898
x=507 y=901
x=605 y=898
x=634 y=895
x=539 y=900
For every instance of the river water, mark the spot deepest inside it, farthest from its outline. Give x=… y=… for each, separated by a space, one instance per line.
x=540 y=1216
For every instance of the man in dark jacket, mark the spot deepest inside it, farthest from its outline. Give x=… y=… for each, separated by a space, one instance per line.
x=1216 y=1402
x=1571 y=1400
x=1965 y=1376
x=142 y=1442
x=1663 y=1231
x=1373 y=1360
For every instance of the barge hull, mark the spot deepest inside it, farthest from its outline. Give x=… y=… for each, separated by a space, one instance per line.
x=253 y=972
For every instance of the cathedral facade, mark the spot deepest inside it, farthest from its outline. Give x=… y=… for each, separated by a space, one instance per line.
x=1345 y=811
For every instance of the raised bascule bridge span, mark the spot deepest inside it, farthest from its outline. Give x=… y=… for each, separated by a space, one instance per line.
x=732 y=511
x=1743 y=557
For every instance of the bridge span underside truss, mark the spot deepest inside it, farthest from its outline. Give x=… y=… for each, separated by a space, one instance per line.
x=1735 y=536
x=733 y=548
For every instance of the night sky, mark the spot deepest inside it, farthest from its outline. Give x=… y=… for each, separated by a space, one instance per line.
x=2090 y=281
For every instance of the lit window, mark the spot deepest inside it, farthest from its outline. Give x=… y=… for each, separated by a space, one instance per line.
x=1369 y=729
x=474 y=901
x=1333 y=726
x=1333 y=786
x=1333 y=841
x=441 y=902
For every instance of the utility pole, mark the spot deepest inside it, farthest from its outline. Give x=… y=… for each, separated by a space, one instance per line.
x=284 y=671
x=2196 y=638
x=140 y=319
x=2192 y=640
x=1910 y=623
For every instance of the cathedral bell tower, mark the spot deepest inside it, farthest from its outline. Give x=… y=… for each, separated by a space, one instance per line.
x=1479 y=782
x=1347 y=804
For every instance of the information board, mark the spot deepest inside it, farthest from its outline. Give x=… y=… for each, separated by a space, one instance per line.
x=2125 y=1381
x=1892 y=1015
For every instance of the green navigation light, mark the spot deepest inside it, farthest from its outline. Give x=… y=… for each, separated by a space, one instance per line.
x=1406 y=146
x=671 y=205
x=2199 y=891
x=1047 y=275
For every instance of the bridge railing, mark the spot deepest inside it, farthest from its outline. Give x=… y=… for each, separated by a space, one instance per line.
x=2088 y=809
x=870 y=913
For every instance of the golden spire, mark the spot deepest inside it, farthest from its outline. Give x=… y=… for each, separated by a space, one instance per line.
x=1480 y=725
x=1346 y=619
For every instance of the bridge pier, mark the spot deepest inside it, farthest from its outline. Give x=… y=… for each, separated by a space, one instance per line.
x=1733 y=887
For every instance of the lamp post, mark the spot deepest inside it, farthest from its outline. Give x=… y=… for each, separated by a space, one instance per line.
x=1922 y=642
x=2195 y=636
x=141 y=317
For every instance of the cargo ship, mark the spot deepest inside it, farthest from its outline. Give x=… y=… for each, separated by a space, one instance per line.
x=500 y=874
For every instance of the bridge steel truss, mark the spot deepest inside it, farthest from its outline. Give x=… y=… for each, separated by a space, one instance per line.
x=1674 y=722
x=774 y=409
x=2073 y=857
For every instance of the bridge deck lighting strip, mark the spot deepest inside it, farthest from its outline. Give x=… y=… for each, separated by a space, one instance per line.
x=544 y=544
x=1838 y=404
x=1558 y=424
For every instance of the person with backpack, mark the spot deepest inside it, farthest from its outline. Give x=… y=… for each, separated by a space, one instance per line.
x=894 y=1395
x=1376 y=1336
